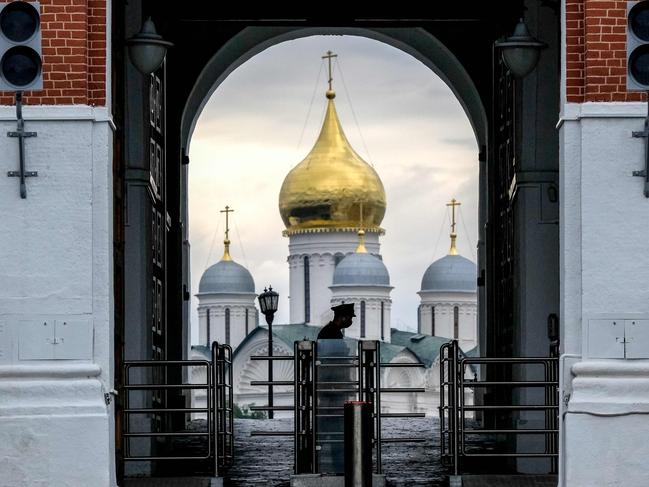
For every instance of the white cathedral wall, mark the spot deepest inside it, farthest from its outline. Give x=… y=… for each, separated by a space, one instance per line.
x=56 y=300
x=604 y=262
x=217 y=305
x=444 y=317
x=322 y=249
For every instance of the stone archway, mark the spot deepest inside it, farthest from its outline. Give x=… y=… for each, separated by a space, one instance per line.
x=419 y=43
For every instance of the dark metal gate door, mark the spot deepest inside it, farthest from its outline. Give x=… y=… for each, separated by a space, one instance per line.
x=502 y=175
x=159 y=222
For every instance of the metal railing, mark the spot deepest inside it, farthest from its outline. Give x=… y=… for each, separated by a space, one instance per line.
x=306 y=410
x=453 y=408
x=218 y=449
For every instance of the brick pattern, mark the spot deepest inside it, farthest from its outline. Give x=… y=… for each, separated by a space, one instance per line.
x=74 y=54
x=596 y=51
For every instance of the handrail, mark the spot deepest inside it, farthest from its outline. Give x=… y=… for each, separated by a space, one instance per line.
x=452 y=408
x=219 y=446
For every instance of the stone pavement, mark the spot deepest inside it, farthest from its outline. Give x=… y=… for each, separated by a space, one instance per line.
x=509 y=481
x=267 y=461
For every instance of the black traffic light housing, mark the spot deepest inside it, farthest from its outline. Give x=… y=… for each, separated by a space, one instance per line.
x=21 y=55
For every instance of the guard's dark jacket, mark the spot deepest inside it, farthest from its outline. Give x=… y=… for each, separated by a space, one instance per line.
x=330 y=330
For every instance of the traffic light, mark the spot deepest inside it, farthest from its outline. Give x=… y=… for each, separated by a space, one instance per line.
x=21 y=56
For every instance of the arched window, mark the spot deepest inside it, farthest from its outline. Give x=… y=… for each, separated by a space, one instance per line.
x=246 y=321
x=432 y=320
x=227 y=326
x=362 y=319
x=382 y=321
x=456 y=322
x=418 y=317
x=307 y=290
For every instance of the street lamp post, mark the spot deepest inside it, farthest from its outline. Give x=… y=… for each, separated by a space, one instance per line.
x=268 y=304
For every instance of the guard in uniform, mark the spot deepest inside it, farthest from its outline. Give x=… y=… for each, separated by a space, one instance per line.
x=343 y=315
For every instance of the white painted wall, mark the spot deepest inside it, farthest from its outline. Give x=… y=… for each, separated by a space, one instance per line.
x=443 y=304
x=216 y=304
x=604 y=260
x=322 y=249
x=56 y=278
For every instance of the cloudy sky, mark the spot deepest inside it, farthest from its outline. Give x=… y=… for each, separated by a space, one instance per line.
x=263 y=120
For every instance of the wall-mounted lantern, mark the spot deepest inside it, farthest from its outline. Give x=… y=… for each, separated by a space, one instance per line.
x=147 y=49
x=521 y=51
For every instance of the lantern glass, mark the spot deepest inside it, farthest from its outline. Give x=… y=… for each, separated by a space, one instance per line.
x=521 y=60
x=268 y=301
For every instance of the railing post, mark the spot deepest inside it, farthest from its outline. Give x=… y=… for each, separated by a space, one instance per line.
x=304 y=405
x=230 y=404
x=369 y=388
x=453 y=406
x=212 y=406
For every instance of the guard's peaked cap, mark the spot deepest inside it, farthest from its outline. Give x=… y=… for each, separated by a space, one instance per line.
x=345 y=309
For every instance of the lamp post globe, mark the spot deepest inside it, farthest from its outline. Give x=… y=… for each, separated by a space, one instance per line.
x=268 y=302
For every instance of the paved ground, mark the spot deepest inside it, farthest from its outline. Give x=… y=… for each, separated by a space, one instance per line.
x=509 y=481
x=268 y=461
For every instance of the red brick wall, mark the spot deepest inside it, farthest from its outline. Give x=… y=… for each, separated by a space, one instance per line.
x=74 y=54
x=596 y=51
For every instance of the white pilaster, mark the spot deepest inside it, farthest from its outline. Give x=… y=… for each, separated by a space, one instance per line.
x=604 y=235
x=56 y=301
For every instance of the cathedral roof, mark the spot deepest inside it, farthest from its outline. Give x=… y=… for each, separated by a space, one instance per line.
x=425 y=347
x=226 y=276
x=289 y=334
x=325 y=191
x=452 y=273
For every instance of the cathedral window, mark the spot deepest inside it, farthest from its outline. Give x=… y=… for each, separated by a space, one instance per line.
x=362 y=319
x=207 y=332
x=382 y=321
x=307 y=290
x=227 y=326
x=246 y=321
x=432 y=320
x=456 y=322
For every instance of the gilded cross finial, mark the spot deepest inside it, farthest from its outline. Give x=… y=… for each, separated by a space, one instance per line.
x=453 y=204
x=226 y=242
x=329 y=56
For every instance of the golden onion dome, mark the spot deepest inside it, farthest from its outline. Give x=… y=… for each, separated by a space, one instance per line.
x=330 y=188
